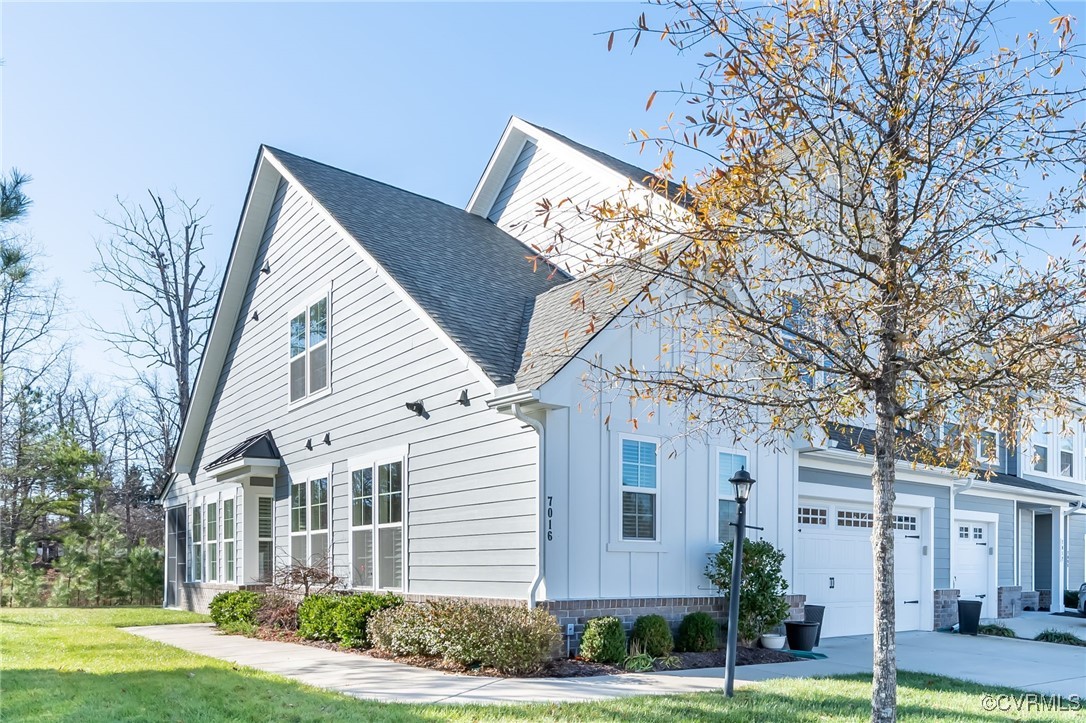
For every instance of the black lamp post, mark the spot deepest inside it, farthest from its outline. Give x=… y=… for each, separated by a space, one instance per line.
x=742 y=481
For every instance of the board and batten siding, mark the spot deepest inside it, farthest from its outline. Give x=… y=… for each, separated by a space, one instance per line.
x=541 y=175
x=1005 y=528
x=586 y=557
x=941 y=512
x=470 y=509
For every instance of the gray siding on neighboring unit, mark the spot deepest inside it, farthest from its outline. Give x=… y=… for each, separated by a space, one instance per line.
x=1005 y=510
x=1025 y=549
x=470 y=470
x=941 y=513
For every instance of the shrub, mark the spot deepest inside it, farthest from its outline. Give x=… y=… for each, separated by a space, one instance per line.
x=1070 y=599
x=352 y=613
x=235 y=610
x=512 y=640
x=1059 y=636
x=761 y=594
x=404 y=630
x=317 y=618
x=278 y=612
x=996 y=630
x=638 y=660
x=604 y=640
x=653 y=635
x=698 y=633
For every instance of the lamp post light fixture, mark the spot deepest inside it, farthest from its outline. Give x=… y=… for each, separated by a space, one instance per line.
x=742 y=482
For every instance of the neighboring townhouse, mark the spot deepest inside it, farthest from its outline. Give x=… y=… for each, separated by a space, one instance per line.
x=391 y=388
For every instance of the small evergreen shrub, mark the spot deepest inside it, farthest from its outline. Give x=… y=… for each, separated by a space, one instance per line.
x=1059 y=636
x=698 y=633
x=653 y=634
x=604 y=641
x=352 y=612
x=236 y=610
x=317 y=617
x=513 y=640
x=762 y=605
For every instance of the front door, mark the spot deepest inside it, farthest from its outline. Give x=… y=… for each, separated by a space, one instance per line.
x=175 y=554
x=972 y=550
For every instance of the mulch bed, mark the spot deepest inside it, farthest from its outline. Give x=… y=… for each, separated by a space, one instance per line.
x=558 y=668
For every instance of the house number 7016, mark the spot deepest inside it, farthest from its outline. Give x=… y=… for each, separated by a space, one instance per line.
x=550 y=518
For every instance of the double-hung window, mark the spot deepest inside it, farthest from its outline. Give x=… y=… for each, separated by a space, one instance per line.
x=212 y=541
x=640 y=484
x=1040 y=446
x=197 y=543
x=1067 y=453
x=309 y=358
x=309 y=522
x=728 y=463
x=377 y=534
x=988 y=447
x=229 y=563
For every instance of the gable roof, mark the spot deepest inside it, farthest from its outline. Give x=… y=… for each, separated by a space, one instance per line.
x=471 y=277
x=259 y=446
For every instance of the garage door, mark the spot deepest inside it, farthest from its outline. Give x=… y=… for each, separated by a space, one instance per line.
x=833 y=565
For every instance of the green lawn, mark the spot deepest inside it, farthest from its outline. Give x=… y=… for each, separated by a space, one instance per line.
x=74 y=665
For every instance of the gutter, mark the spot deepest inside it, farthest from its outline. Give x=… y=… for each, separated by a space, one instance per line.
x=540 y=512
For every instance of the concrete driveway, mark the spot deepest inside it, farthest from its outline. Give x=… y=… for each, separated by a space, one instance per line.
x=1029 y=625
x=1044 y=667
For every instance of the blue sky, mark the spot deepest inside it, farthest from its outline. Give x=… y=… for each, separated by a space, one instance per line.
x=104 y=100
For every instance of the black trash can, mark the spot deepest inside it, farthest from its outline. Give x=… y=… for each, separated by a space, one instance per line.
x=969 y=616
x=801 y=635
x=815 y=614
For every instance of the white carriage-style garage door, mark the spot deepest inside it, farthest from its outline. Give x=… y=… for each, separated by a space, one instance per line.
x=833 y=565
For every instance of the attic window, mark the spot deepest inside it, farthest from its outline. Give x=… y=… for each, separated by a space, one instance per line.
x=309 y=357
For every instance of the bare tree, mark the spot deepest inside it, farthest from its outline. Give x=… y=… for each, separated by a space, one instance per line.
x=154 y=255
x=857 y=248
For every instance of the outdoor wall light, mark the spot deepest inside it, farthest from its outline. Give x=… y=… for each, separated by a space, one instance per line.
x=256 y=316
x=327 y=438
x=464 y=400
x=418 y=408
x=309 y=444
x=266 y=268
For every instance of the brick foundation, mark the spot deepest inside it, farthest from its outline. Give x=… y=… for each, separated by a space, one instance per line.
x=1044 y=600
x=1009 y=601
x=1031 y=600
x=672 y=609
x=946 y=608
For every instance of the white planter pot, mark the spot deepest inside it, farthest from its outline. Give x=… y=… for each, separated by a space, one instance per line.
x=773 y=641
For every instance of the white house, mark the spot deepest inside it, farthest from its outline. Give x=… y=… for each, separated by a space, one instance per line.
x=391 y=387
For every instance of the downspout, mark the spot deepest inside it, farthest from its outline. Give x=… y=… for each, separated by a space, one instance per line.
x=540 y=512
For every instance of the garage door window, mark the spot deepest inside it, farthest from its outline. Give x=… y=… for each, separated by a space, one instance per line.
x=904 y=522
x=812 y=516
x=854 y=518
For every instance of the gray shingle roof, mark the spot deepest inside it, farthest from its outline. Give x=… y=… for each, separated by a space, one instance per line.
x=1012 y=481
x=565 y=319
x=471 y=277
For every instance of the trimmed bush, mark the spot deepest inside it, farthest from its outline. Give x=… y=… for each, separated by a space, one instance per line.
x=278 y=612
x=604 y=640
x=653 y=635
x=235 y=610
x=512 y=640
x=353 y=612
x=317 y=618
x=698 y=633
x=762 y=605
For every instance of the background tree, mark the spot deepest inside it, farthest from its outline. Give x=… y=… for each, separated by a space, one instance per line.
x=860 y=247
x=153 y=254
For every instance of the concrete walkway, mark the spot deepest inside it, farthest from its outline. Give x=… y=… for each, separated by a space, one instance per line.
x=1022 y=664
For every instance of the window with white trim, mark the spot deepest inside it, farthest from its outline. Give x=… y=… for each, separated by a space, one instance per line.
x=978 y=533
x=639 y=489
x=212 y=568
x=963 y=532
x=728 y=463
x=1040 y=447
x=812 y=516
x=309 y=358
x=377 y=531
x=197 y=543
x=309 y=522
x=854 y=518
x=1067 y=454
x=265 y=540
x=229 y=562
x=988 y=447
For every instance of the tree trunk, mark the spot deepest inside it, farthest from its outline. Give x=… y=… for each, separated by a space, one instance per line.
x=884 y=679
